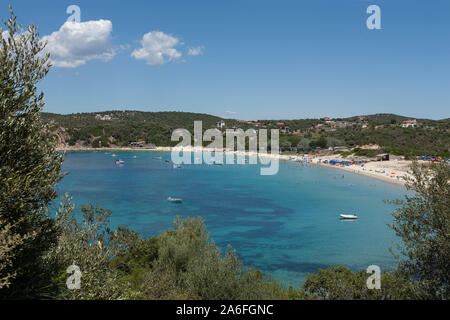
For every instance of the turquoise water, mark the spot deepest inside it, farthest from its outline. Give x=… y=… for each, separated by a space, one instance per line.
x=287 y=225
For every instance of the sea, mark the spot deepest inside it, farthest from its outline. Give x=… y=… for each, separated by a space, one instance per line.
x=287 y=224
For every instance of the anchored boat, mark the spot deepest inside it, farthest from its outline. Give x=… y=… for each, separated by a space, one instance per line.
x=175 y=200
x=349 y=216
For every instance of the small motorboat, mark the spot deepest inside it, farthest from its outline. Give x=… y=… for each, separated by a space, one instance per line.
x=349 y=216
x=167 y=161
x=157 y=158
x=177 y=166
x=114 y=156
x=217 y=163
x=119 y=162
x=175 y=200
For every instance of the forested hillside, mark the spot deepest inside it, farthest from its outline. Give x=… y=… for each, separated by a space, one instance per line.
x=124 y=127
x=433 y=141
x=121 y=128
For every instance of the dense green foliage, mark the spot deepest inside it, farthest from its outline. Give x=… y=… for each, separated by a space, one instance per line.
x=379 y=118
x=29 y=165
x=339 y=283
x=423 y=224
x=10 y=240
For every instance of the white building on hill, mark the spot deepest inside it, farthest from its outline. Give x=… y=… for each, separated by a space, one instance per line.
x=103 y=118
x=220 y=124
x=409 y=124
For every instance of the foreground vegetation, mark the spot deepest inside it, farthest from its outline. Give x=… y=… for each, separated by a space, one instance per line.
x=37 y=246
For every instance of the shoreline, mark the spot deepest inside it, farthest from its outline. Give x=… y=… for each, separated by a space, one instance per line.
x=373 y=169
x=352 y=169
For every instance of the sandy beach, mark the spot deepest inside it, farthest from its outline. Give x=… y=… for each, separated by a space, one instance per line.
x=391 y=171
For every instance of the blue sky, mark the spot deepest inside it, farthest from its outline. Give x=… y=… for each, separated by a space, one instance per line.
x=247 y=59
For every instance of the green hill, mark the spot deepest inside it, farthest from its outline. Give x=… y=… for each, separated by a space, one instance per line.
x=121 y=128
x=381 y=118
x=410 y=142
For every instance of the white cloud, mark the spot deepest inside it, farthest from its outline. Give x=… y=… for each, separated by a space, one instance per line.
x=196 y=51
x=157 y=48
x=75 y=43
x=230 y=112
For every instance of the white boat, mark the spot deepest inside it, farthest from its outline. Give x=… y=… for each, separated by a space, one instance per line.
x=120 y=162
x=349 y=216
x=174 y=200
x=176 y=166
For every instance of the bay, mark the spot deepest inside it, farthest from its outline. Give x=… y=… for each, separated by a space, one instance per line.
x=287 y=225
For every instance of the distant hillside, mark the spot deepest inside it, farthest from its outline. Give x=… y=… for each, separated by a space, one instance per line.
x=122 y=128
x=387 y=131
x=410 y=142
x=381 y=118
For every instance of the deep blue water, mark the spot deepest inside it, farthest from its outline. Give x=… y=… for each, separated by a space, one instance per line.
x=287 y=225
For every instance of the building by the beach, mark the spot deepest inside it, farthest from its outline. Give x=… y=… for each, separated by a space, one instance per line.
x=382 y=157
x=138 y=144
